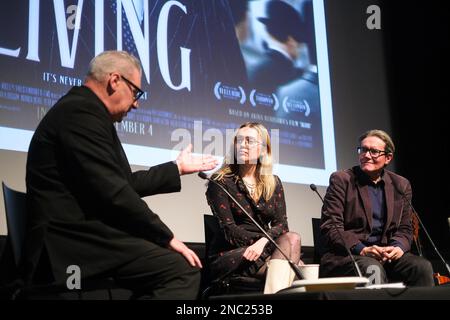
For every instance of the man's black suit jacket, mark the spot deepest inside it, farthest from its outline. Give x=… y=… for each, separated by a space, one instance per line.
x=84 y=203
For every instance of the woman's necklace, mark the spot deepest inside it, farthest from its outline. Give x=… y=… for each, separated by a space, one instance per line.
x=251 y=187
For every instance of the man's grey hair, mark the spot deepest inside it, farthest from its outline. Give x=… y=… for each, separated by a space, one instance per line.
x=380 y=134
x=113 y=61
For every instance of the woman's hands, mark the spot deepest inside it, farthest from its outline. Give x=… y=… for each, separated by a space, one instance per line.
x=253 y=252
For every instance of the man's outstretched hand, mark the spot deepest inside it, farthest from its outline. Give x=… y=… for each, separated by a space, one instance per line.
x=187 y=163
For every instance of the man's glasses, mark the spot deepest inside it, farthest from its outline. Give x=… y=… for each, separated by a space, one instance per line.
x=250 y=141
x=137 y=93
x=373 y=152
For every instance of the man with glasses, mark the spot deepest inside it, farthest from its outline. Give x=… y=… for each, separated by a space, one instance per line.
x=137 y=92
x=85 y=206
x=368 y=206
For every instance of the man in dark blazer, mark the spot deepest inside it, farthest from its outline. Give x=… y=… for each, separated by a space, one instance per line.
x=84 y=203
x=370 y=211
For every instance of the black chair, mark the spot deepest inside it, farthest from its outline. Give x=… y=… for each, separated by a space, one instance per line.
x=230 y=283
x=10 y=282
x=319 y=244
x=14 y=287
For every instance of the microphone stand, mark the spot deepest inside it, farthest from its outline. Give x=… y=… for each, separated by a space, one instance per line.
x=355 y=264
x=424 y=229
x=293 y=266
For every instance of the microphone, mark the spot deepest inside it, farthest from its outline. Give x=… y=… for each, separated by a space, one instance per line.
x=355 y=264
x=293 y=266
x=423 y=227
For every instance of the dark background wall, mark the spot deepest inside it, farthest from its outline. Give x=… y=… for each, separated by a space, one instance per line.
x=359 y=85
x=416 y=38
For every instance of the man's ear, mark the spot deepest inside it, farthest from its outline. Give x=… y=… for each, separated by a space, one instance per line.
x=114 y=79
x=112 y=83
x=389 y=157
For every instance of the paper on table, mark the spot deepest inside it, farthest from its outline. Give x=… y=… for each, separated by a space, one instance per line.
x=384 y=285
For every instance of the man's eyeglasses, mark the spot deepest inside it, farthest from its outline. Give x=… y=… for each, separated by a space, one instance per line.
x=373 y=152
x=137 y=93
x=250 y=141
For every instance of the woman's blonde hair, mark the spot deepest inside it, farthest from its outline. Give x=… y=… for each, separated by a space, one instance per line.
x=265 y=181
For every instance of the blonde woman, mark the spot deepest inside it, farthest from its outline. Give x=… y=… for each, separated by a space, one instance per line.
x=247 y=175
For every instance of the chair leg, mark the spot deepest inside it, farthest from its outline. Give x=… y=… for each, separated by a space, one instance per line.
x=205 y=293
